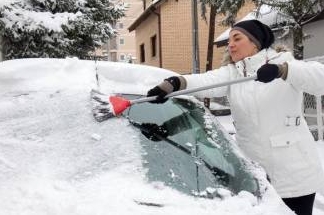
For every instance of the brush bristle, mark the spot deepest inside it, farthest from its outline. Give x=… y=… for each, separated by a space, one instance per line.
x=101 y=108
x=99 y=116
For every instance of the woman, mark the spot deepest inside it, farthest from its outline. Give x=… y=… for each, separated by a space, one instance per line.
x=267 y=112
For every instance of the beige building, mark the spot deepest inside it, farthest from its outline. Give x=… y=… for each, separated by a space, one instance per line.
x=122 y=48
x=164 y=35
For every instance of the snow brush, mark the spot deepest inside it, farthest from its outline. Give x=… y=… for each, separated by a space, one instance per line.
x=105 y=106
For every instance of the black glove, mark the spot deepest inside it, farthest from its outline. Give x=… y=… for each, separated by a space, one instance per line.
x=168 y=86
x=153 y=131
x=268 y=72
x=157 y=91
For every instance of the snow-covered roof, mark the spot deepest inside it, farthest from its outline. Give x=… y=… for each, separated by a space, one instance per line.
x=146 y=13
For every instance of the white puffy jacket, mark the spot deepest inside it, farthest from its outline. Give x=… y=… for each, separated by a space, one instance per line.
x=269 y=120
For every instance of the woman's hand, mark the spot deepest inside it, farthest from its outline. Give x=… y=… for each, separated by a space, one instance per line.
x=268 y=72
x=168 y=86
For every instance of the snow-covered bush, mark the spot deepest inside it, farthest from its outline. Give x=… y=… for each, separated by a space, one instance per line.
x=57 y=28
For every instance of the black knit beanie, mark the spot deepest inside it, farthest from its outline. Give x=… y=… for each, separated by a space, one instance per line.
x=257 y=32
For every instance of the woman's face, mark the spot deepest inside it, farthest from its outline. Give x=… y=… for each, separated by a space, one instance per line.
x=240 y=46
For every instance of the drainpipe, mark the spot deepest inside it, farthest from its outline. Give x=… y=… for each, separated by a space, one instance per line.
x=195 y=45
x=1 y=58
x=159 y=29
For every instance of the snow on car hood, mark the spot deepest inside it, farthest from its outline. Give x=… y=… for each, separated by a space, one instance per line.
x=56 y=159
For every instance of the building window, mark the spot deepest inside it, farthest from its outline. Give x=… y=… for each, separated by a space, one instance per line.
x=142 y=53
x=122 y=57
x=153 y=46
x=121 y=41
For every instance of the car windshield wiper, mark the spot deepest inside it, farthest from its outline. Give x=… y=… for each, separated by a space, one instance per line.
x=171 y=142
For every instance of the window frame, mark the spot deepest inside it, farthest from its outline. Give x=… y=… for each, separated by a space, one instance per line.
x=153 y=40
x=142 y=53
x=121 y=41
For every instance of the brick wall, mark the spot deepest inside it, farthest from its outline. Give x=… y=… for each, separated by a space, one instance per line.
x=176 y=38
x=144 y=32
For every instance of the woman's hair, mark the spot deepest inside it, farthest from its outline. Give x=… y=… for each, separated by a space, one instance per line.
x=226 y=58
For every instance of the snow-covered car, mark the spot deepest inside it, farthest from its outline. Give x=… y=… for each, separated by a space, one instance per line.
x=55 y=158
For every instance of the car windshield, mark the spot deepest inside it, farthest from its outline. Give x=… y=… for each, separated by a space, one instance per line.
x=197 y=158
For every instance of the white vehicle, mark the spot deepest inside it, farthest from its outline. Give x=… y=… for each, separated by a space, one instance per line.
x=55 y=158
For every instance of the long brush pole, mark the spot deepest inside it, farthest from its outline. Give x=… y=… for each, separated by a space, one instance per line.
x=106 y=108
x=188 y=91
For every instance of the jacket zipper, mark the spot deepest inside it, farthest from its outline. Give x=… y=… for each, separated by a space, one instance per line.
x=244 y=69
